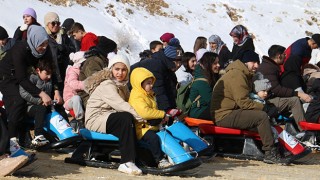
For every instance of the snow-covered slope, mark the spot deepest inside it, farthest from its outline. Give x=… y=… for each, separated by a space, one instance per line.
x=132 y=27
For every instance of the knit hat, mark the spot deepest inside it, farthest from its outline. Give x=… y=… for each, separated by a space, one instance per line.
x=316 y=38
x=77 y=58
x=119 y=58
x=173 y=50
x=250 y=56
x=105 y=45
x=36 y=35
x=261 y=84
x=31 y=12
x=3 y=33
x=200 y=53
x=166 y=37
x=67 y=24
x=50 y=17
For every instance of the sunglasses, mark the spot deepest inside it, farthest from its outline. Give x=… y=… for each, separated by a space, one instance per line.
x=55 y=23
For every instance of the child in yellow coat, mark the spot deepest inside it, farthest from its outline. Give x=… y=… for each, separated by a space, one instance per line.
x=142 y=99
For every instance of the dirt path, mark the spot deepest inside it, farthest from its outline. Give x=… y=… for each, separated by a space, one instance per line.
x=51 y=166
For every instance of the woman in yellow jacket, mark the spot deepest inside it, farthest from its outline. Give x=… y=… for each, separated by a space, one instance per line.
x=142 y=99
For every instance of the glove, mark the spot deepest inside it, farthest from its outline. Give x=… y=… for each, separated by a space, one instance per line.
x=174 y=112
x=271 y=110
x=24 y=27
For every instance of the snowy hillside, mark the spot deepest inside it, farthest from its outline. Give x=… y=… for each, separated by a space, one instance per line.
x=134 y=26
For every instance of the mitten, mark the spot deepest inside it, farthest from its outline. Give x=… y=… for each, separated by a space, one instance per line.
x=174 y=112
x=24 y=27
x=271 y=110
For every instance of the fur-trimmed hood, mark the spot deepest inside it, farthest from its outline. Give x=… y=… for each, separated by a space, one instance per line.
x=95 y=79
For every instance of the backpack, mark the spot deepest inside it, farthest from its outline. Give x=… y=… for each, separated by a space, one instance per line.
x=183 y=101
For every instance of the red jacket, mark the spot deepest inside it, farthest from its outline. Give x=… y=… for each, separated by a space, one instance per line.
x=88 y=40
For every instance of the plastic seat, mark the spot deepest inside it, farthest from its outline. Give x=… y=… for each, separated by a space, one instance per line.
x=309 y=126
x=91 y=135
x=212 y=129
x=195 y=122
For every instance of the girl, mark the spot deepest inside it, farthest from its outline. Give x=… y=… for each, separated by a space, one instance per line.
x=185 y=72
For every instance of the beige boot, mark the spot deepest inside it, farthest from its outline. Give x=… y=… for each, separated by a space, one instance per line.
x=11 y=164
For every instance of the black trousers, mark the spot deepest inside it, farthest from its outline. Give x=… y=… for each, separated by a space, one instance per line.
x=16 y=107
x=39 y=112
x=151 y=141
x=121 y=125
x=4 y=138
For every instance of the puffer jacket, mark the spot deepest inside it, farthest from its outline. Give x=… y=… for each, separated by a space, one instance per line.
x=101 y=104
x=231 y=92
x=71 y=84
x=143 y=102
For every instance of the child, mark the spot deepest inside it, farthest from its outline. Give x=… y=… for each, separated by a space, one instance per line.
x=87 y=39
x=36 y=109
x=142 y=99
x=71 y=86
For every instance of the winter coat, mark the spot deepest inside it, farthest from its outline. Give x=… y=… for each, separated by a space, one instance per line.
x=89 y=40
x=224 y=57
x=237 y=51
x=93 y=64
x=165 y=85
x=298 y=51
x=292 y=75
x=42 y=85
x=71 y=84
x=231 y=92
x=201 y=88
x=101 y=104
x=183 y=77
x=271 y=71
x=17 y=65
x=144 y=103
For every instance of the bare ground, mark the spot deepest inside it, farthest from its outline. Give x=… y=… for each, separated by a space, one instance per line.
x=50 y=165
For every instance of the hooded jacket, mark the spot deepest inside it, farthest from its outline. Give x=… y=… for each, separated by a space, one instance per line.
x=143 y=102
x=231 y=92
x=201 y=88
x=101 y=104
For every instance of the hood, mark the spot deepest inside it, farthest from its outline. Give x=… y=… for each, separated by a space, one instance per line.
x=138 y=75
x=198 y=72
x=94 y=80
x=238 y=65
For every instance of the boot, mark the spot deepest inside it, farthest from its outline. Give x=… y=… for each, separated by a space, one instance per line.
x=273 y=157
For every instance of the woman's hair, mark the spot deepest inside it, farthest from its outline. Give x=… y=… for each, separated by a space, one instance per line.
x=185 y=61
x=201 y=42
x=206 y=61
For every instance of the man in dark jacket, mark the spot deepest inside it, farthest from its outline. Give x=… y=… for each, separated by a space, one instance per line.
x=285 y=99
x=231 y=106
x=163 y=65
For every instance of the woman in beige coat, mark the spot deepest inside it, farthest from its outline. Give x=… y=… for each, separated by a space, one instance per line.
x=108 y=111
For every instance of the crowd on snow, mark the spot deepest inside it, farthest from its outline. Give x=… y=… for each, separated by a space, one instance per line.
x=84 y=73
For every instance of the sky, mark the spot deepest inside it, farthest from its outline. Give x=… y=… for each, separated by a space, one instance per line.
x=270 y=21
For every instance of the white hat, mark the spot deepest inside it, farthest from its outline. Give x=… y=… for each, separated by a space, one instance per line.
x=119 y=58
x=77 y=58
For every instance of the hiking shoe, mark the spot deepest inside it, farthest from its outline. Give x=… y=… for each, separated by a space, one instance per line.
x=164 y=163
x=129 y=168
x=11 y=164
x=273 y=157
x=39 y=141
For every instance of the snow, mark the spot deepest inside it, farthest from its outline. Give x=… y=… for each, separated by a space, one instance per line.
x=270 y=21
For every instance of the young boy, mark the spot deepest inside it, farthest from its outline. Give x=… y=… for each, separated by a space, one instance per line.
x=142 y=99
x=87 y=39
x=36 y=110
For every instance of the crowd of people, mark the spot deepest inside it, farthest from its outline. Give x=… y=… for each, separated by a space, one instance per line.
x=85 y=73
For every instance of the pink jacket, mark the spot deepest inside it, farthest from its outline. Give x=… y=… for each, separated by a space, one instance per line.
x=71 y=84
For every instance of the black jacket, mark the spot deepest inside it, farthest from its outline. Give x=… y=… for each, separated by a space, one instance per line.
x=237 y=51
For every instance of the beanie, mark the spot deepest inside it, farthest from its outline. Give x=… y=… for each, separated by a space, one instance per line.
x=166 y=37
x=250 y=56
x=105 y=45
x=173 y=50
x=50 y=17
x=260 y=83
x=3 y=33
x=31 y=12
x=119 y=58
x=67 y=24
x=77 y=58
x=316 y=38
